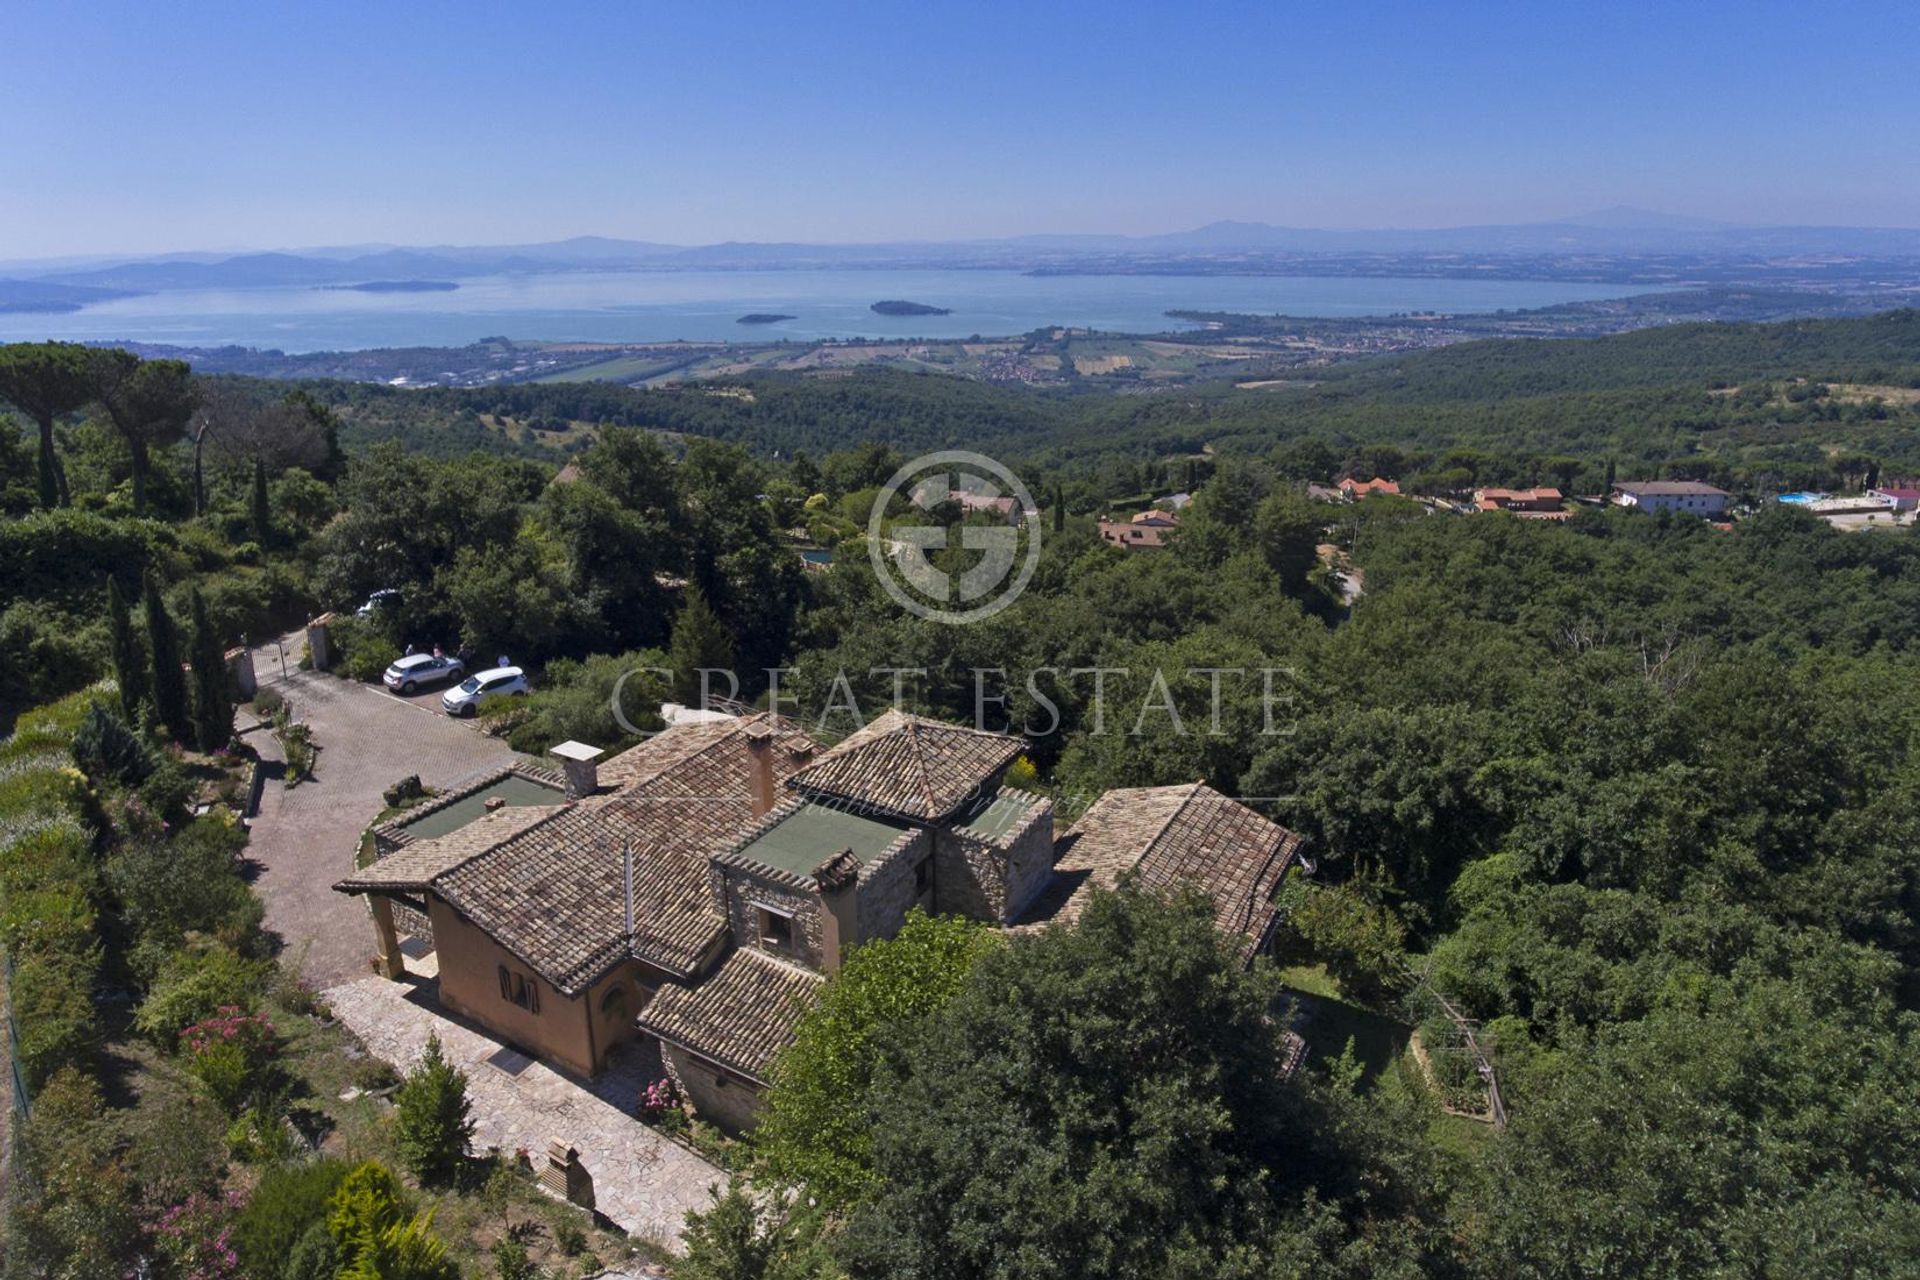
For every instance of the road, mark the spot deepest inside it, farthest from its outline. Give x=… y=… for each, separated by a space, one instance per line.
x=305 y=837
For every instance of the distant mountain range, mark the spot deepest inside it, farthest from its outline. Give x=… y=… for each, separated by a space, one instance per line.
x=1617 y=231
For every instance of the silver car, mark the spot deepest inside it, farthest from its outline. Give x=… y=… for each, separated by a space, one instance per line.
x=419 y=669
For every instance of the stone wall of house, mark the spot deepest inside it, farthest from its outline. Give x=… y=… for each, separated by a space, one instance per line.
x=959 y=888
x=993 y=880
x=411 y=923
x=1028 y=859
x=886 y=887
x=744 y=888
x=718 y=1095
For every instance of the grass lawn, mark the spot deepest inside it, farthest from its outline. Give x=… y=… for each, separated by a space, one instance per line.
x=1381 y=1043
x=1328 y=1020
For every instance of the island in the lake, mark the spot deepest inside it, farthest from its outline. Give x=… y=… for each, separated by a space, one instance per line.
x=763 y=317
x=894 y=307
x=397 y=286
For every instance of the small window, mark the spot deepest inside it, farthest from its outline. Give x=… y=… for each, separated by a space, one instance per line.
x=776 y=930
x=614 y=1003
x=518 y=988
x=720 y=1080
x=923 y=878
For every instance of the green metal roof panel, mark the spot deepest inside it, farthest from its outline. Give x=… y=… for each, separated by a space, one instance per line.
x=513 y=788
x=999 y=815
x=815 y=832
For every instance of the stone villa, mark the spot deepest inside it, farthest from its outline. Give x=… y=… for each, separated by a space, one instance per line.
x=696 y=888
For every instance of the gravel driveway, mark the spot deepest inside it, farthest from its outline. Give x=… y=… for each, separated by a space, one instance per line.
x=305 y=838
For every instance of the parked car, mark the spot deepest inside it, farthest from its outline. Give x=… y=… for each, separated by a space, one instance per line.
x=385 y=598
x=418 y=669
x=465 y=700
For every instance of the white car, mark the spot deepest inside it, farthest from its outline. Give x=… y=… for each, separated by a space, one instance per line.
x=418 y=669
x=465 y=700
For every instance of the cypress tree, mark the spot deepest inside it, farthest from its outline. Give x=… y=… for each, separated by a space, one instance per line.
x=435 y=1121
x=262 y=515
x=169 y=682
x=129 y=660
x=700 y=640
x=212 y=708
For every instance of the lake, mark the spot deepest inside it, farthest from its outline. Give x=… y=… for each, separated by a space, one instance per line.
x=657 y=306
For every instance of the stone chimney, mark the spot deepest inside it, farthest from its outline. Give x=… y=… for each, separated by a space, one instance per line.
x=760 y=766
x=580 y=762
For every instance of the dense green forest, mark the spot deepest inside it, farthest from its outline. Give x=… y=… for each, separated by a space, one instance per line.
x=1639 y=795
x=1760 y=407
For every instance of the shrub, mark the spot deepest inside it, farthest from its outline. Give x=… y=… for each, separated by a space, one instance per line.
x=189 y=884
x=361 y=652
x=434 y=1125
x=106 y=748
x=570 y=1238
x=70 y=1204
x=196 y=1237
x=290 y=1201
x=195 y=984
x=175 y=1146
x=57 y=920
x=231 y=1054
x=53 y=1006
x=376 y=1240
x=510 y=1260
x=367 y=1200
x=168 y=789
x=314 y=1257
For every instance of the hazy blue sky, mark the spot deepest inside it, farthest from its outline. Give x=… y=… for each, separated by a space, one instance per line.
x=138 y=127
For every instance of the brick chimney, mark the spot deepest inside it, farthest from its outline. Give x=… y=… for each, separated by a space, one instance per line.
x=760 y=766
x=838 y=879
x=580 y=763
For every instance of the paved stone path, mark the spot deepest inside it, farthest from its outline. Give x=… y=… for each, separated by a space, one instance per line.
x=305 y=838
x=641 y=1181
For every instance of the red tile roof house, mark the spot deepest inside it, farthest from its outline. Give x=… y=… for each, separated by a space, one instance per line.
x=1354 y=490
x=696 y=889
x=1534 y=504
x=1147 y=529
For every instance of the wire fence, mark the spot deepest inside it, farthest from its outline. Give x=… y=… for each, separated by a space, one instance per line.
x=1459 y=1064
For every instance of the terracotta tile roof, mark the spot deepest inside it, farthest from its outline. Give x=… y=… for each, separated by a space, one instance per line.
x=1363 y=488
x=916 y=768
x=662 y=751
x=1173 y=837
x=415 y=865
x=547 y=882
x=1130 y=534
x=741 y=1015
x=555 y=897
